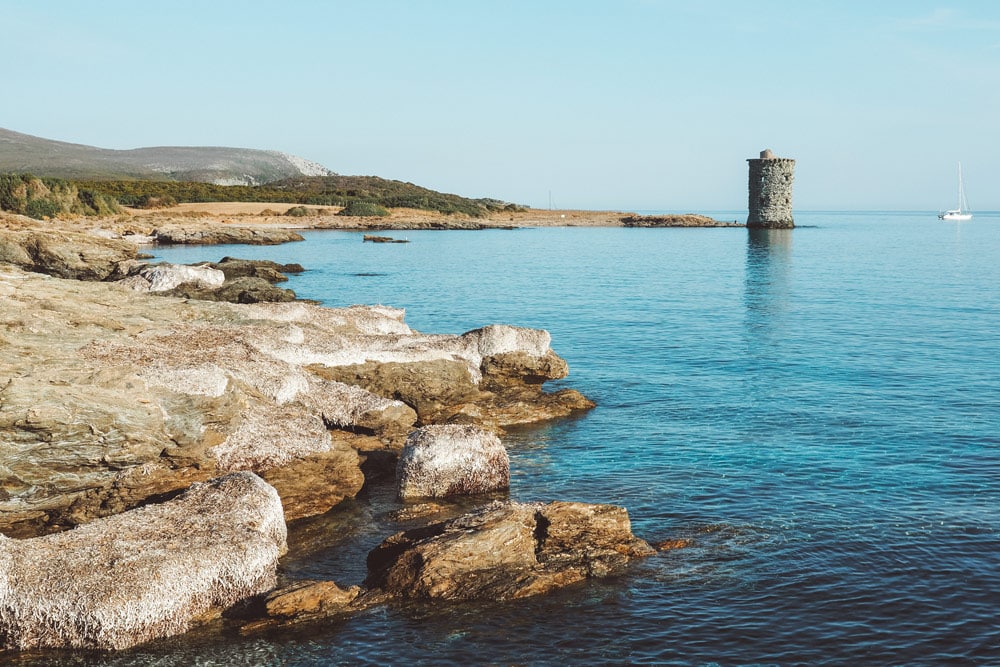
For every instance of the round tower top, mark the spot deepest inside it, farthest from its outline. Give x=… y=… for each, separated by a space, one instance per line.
x=766 y=154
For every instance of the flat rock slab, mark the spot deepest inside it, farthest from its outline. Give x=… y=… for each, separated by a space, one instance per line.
x=143 y=574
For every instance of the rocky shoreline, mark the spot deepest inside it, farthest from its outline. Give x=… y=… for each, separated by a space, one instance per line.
x=263 y=224
x=121 y=409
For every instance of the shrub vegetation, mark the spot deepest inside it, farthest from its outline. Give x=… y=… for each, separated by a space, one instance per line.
x=361 y=208
x=315 y=190
x=48 y=197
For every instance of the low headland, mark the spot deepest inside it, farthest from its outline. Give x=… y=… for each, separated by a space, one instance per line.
x=214 y=222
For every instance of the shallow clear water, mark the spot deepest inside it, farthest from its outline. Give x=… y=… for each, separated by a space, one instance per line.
x=817 y=410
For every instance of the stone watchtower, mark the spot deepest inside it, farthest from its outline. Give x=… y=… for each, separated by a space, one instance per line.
x=771 y=191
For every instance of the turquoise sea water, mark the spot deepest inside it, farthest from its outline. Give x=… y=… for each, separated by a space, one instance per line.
x=816 y=410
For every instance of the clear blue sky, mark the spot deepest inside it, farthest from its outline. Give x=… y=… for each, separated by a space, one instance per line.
x=627 y=104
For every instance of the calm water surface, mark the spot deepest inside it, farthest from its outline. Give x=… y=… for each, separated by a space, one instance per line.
x=817 y=410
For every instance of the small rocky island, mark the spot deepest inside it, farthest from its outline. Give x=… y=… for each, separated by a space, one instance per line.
x=157 y=432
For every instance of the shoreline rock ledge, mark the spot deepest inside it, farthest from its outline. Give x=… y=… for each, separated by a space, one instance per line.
x=110 y=398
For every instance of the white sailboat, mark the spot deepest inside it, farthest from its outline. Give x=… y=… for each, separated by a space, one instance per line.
x=962 y=212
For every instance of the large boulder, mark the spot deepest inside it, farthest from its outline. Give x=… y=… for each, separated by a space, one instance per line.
x=505 y=550
x=165 y=277
x=234 y=281
x=449 y=460
x=143 y=574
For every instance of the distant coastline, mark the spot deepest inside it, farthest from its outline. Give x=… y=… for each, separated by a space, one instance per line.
x=263 y=216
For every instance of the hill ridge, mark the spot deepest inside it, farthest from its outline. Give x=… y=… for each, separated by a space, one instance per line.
x=220 y=165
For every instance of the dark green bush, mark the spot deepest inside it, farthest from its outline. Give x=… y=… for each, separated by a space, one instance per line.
x=297 y=211
x=42 y=208
x=361 y=208
x=98 y=203
x=13 y=194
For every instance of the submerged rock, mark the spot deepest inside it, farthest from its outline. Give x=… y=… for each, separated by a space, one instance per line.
x=143 y=574
x=505 y=550
x=300 y=602
x=449 y=460
x=373 y=238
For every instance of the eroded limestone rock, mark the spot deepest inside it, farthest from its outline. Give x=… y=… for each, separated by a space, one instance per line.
x=64 y=253
x=143 y=574
x=309 y=598
x=505 y=550
x=490 y=377
x=208 y=233
x=109 y=397
x=165 y=277
x=449 y=460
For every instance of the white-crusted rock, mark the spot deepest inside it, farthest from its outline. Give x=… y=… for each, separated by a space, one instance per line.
x=143 y=574
x=450 y=460
x=504 y=338
x=164 y=277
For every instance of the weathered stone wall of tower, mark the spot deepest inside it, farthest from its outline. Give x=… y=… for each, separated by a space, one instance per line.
x=770 y=201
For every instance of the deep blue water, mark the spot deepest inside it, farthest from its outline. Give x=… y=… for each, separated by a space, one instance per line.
x=817 y=410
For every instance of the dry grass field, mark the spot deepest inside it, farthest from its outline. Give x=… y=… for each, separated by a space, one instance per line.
x=325 y=216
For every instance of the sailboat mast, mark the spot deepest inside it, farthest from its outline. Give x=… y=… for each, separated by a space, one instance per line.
x=961 y=194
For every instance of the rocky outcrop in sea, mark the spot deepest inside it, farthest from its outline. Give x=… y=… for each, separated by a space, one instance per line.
x=505 y=550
